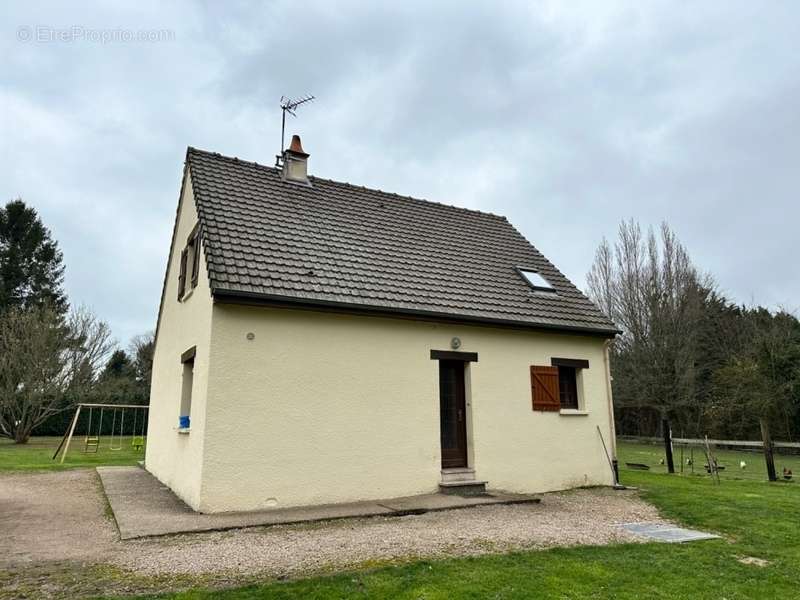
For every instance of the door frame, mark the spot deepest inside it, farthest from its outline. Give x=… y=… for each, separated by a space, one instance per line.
x=455 y=457
x=463 y=457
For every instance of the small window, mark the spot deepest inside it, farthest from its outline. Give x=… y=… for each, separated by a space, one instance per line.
x=190 y=264
x=559 y=387
x=182 y=274
x=187 y=382
x=536 y=280
x=568 y=387
x=194 y=244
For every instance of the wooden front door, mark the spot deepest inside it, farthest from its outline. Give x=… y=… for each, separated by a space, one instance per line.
x=452 y=414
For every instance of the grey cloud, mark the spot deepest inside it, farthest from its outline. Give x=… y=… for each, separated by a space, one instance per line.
x=566 y=117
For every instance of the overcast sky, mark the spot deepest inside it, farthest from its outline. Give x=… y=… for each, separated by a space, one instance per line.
x=566 y=117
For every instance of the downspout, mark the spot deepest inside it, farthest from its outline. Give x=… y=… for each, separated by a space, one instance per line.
x=609 y=396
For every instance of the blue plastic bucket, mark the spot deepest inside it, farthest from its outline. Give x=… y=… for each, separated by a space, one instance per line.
x=183 y=421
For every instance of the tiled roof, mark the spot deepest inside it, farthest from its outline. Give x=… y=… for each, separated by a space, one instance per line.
x=338 y=244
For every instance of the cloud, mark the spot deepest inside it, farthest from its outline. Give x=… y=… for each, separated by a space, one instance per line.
x=565 y=117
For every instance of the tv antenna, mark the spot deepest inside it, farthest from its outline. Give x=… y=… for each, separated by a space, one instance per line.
x=290 y=105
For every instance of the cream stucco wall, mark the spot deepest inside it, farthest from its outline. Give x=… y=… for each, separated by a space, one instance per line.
x=321 y=408
x=176 y=459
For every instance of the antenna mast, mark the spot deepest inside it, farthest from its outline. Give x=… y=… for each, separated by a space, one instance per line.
x=289 y=105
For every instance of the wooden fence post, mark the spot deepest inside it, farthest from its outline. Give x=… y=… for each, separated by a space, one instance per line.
x=768 y=451
x=668 y=445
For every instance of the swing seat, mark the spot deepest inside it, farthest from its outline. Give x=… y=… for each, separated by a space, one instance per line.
x=137 y=442
x=91 y=444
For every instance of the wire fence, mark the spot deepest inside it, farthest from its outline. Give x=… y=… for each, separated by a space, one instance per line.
x=725 y=459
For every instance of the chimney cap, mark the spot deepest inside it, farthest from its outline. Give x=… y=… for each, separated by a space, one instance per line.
x=296 y=147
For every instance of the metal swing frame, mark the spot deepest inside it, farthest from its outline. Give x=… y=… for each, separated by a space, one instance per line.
x=137 y=441
x=92 y=442
x=111 y=445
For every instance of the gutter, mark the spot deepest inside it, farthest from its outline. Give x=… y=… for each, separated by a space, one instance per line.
x=612 y=430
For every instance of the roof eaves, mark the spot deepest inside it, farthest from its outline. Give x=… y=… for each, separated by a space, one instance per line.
x=242 y=297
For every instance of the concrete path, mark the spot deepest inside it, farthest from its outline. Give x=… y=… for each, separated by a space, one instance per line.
x=144 y=507
x=55 y=533
x=666 y=532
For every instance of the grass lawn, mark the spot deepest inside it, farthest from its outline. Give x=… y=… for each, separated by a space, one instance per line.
x=37 y=454
x=757 y=519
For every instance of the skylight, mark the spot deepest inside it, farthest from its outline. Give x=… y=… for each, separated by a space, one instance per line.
x=536 y=280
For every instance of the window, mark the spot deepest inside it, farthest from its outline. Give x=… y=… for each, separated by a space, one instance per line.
x=568 y=387
x=536 y=280
x=190 y=263
x=182 y=274
x=194 y=244
x=558 y=387
x=187 y=381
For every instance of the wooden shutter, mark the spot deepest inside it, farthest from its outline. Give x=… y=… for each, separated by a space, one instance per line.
x=182 y=275
x=544 y=388
x=195 y=258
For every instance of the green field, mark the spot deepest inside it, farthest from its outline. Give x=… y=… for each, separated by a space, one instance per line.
x=37 y=454
x=755 y=466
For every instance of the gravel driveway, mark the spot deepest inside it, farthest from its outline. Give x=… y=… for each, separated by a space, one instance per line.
x=60 y=518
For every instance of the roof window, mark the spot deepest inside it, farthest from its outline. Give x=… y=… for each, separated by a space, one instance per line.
x=536 y=280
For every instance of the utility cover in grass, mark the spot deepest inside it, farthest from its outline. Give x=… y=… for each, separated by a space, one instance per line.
x=667 y=533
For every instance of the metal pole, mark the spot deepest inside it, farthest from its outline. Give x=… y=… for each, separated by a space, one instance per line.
x=614 y=473
x=712 y=463
x=113 y=425
x=283 y=129
x=668 y=445
x=71 y=431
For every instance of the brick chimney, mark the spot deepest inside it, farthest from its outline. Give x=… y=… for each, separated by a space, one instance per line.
x=295 y=162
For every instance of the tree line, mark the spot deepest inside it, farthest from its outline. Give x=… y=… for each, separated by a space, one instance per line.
x=687 y=353
x=54 y=355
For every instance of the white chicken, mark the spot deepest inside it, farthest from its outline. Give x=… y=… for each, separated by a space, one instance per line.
x=742 y=465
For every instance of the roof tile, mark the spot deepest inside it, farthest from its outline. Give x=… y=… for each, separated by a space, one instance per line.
x=334 y=242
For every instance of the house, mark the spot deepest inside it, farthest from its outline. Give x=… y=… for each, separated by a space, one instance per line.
x=320 y=342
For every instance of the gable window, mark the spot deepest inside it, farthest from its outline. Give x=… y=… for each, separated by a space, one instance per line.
x=194 y=244
x=182 y=274
x=558 y=387
x=190 y=264
x=536 y=280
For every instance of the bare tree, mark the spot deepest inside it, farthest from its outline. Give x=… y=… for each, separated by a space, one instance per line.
x=649 y=287
x=44 y=361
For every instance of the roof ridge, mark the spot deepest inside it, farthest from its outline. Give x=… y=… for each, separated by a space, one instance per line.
x=405 y=197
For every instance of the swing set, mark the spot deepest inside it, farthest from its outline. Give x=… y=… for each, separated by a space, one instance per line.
x=93 y=435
